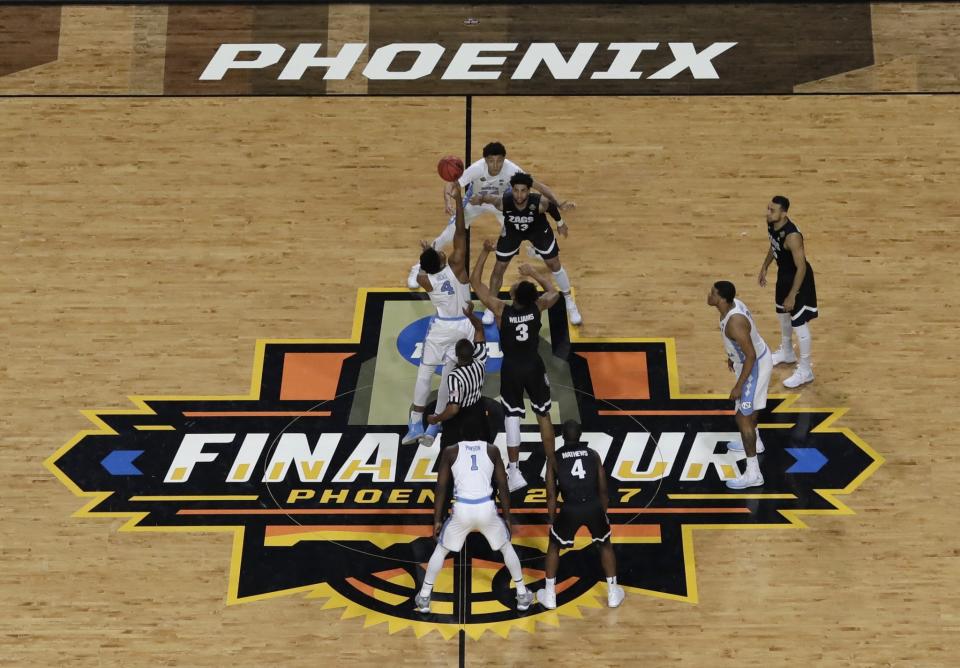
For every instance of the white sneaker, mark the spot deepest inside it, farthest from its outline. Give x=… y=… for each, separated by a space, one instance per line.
x=800 y=377
x=572 y=312
x=745 y=480
x=737 y=446
x=781 y=356
x=515 y=480
x=547 y=600
x=488 y=317
x=615 y=596
x=421 y=603
x=412 y=277
x=524 y=600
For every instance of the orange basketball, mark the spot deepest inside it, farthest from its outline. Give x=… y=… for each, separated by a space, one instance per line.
x=450 y=168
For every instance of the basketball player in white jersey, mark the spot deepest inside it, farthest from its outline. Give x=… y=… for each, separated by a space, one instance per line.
x=489 y=176
x=473 y=465
x=448 y=285
x=749 y=358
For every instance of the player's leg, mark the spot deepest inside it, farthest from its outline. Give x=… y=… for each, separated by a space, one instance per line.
x=784 y=354
x=421 y=392
x=805 y=310
x=497 y=533
x=452 y=536
x=508 y=245
x=547 y=247
x=434 y=566
x=443 y=397
x=600 y=532
x=537 y=386
x=511 y=398
x=753 y=397
x=560 y=535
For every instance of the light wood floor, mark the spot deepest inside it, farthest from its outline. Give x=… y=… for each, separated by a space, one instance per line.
x=149 y=243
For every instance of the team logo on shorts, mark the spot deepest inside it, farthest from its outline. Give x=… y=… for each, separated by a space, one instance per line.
x=307 y=472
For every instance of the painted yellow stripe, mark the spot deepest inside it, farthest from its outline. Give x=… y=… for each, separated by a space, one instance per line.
x=236 y=497
x=731 y=496
x=154 y=427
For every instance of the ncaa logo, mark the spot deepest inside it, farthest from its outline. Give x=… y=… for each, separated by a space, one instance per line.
x=411 y=338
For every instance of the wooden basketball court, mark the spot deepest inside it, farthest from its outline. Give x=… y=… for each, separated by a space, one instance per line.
x=151 y=241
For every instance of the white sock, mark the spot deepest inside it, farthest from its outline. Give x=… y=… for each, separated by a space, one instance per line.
x=446 y=237
x=433 y=569
x=753 y=466
x=513 y=465
x=563 y=281
x=512 y=562
x=421 y=390
x=416 y=417
x=786 y=332
x=511 y=425
x=759 y=442
x=806 y=344
x=551 y=583
x=612 y=581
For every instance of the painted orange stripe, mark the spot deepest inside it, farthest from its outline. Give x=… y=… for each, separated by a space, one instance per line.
x=387 y=575
x=704 y=412
x=429 y=511
x=566 y=584
x=312 y=376
x=618 y=375
x=362 y=586
x=256 y=413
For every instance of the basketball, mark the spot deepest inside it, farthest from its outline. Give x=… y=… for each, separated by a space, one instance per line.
x=450 y=168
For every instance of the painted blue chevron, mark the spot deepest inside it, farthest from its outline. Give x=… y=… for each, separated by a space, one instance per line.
x=120 y=462
x=809 y=460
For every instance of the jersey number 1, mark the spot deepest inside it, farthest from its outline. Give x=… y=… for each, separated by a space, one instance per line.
x=474 y=467
x=578 y=469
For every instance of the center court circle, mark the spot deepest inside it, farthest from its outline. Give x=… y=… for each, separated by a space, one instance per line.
x=411 y=338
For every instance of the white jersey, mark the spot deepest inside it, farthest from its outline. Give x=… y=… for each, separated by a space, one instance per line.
x=472 y=472
x=734 y=352
x=448 y=294
x=478 y=176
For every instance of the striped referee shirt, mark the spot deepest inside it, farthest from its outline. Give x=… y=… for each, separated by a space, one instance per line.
x=466 y=382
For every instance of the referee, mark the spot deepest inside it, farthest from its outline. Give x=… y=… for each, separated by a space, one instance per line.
x=464 y=418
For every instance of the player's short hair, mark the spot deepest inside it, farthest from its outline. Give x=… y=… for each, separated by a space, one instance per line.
x=464 y=350
x=522 y=179
x=726 y=290
x=494 y=148
x=571 y=432
x=525 y=294
x=430 y=261
x=782 y=201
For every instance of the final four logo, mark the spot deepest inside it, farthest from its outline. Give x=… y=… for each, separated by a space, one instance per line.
x=307 y=471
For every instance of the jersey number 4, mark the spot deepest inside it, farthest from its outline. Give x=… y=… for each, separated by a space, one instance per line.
x=446 y=288
x=578 y=469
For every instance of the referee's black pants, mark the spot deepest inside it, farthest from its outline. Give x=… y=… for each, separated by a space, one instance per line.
x=469 y=424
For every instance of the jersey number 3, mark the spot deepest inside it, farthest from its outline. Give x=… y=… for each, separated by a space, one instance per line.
x=522 y=333
x=578 y=469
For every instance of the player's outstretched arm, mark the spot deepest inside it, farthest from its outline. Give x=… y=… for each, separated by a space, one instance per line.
x=478 y=335
x=476 y=281
x=443 y=481
x=458 y=256
x=601 y=483
x=500 y=476
x=550 y=294
x=547 y=192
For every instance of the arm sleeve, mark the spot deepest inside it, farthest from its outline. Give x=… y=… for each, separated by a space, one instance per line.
x=480 y=352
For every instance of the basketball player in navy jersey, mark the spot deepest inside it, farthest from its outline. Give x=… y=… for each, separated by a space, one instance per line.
x=522 y=369
x=524 y=219
x=796 y=293
x=581 y=479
